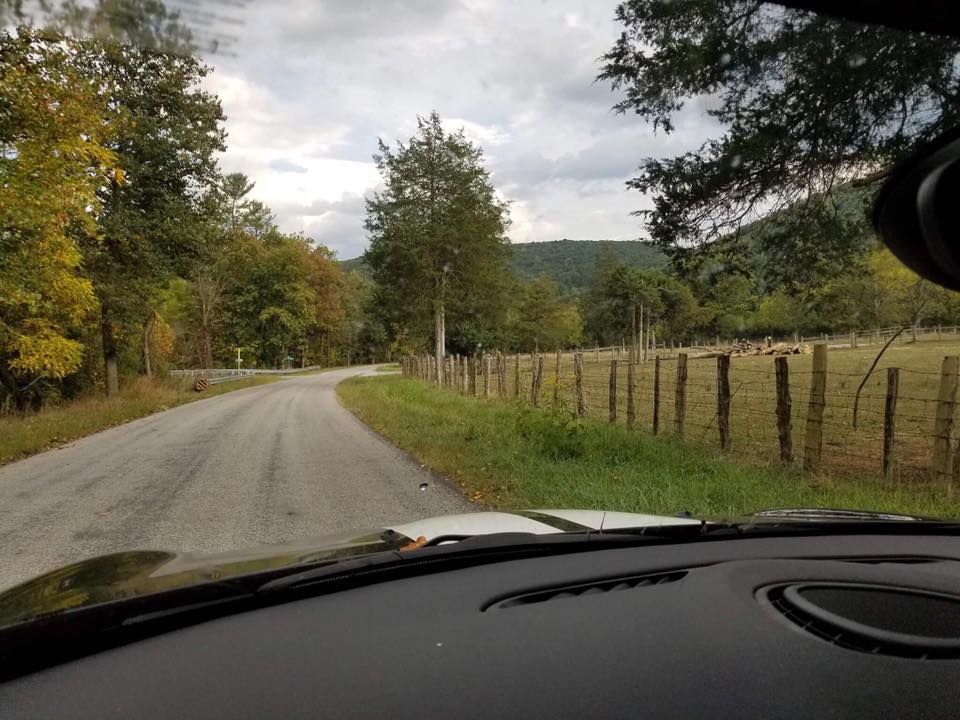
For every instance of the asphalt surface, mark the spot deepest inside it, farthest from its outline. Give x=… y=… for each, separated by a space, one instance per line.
x=267 y=464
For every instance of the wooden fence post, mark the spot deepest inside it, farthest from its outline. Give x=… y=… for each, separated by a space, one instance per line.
x=462 y=375
x=472 y=375
x=656 y=395
x=598 y=353
x=784 y=406
x=890 y=421
x=813 y=439
x=501 y=375
x=723 y=400
x=556 y=382
x=537 y=380
x=516 y=377
x=631 y=394
x=680 y=397
x=478 y=374
x=613 y=390
x=943 y=428
x=486 y=376
x=578 y=383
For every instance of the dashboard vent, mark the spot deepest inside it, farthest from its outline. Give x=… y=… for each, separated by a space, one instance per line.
x=592 y=588
x=873 y=619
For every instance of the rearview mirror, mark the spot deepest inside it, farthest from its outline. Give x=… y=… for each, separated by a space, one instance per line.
x=917 y=212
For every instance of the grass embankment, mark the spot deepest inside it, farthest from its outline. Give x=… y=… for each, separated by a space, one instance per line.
x=22 y=436
x=389 y=367
x=510 y=456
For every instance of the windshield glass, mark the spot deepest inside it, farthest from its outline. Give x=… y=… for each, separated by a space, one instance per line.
x=277 y=271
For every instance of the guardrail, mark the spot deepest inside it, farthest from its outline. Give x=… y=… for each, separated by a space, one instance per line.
x=217 y=375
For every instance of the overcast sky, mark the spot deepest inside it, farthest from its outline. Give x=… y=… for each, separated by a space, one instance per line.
x=314 y=84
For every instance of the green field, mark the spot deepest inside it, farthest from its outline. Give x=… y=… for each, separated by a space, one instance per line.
x=24 y=435
x=846 y=451
x=507 y=455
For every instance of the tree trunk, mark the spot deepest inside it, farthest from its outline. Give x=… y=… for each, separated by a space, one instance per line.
x=206 y=348
x=109 y=352
x=9 y=382
x=147 y=329
x=440 y=332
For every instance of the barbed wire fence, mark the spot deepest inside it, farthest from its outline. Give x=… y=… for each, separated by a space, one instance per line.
x=788 y=409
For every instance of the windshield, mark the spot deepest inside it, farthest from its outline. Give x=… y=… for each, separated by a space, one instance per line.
x=276 y=271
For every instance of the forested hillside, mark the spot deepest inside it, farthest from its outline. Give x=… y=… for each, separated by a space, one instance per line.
x=569 y=263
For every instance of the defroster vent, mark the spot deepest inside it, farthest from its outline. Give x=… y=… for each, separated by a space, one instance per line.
x=597 y=587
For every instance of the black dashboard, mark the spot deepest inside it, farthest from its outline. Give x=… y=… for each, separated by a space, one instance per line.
x=825 y=626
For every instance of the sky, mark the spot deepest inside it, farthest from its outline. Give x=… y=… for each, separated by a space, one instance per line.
x=308 y=87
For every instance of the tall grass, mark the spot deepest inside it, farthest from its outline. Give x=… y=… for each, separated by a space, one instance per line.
x=509 y=456
x=24 y=435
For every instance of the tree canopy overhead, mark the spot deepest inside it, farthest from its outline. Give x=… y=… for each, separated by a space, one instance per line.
x=803 y=103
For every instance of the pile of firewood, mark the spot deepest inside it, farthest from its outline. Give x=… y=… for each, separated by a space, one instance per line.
x=743 y=348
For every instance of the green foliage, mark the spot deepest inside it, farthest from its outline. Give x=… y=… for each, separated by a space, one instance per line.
x=556 y=435
x=501 y=459
x=620 y=293
x=165 y=142
x=541 y=320
x=53 y=157
x=804 y=103
x=437 y=232
x=280 y=294
x=120 y=237
x=570 y=263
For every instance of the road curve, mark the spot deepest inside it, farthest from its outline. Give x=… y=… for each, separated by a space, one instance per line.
x=266 y=464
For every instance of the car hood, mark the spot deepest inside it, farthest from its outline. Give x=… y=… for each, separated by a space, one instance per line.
x=125 y=575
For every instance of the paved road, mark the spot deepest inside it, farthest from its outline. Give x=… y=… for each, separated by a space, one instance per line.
x=261 y=465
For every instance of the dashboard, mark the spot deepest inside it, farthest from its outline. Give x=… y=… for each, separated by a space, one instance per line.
x=824 y=626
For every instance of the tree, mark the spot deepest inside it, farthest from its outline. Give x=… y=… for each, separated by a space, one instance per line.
x=804 y=102
x=256 y=218
x=437 y=229
x=235 y=187
x=149 y=226
x=53 y=158
x=541 y=320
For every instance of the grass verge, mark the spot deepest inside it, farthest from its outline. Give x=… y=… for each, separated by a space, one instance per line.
x=390 y=367
x=510 y=456
x=23 y=436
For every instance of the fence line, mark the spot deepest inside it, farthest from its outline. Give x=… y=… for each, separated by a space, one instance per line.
x=761 y=409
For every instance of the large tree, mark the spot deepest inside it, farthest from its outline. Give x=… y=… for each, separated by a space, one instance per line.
x=52 y=159
x=802 y=102
x=437 y=229
x=150 y=226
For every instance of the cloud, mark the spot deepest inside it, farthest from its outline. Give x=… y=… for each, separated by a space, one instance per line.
x=315 y=84
x=284 y=165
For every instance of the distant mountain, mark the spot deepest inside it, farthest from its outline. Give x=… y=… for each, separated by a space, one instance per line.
x=570 y=263
x=356 y=263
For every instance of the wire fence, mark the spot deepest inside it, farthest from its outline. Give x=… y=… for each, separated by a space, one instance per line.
x=795 y=409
